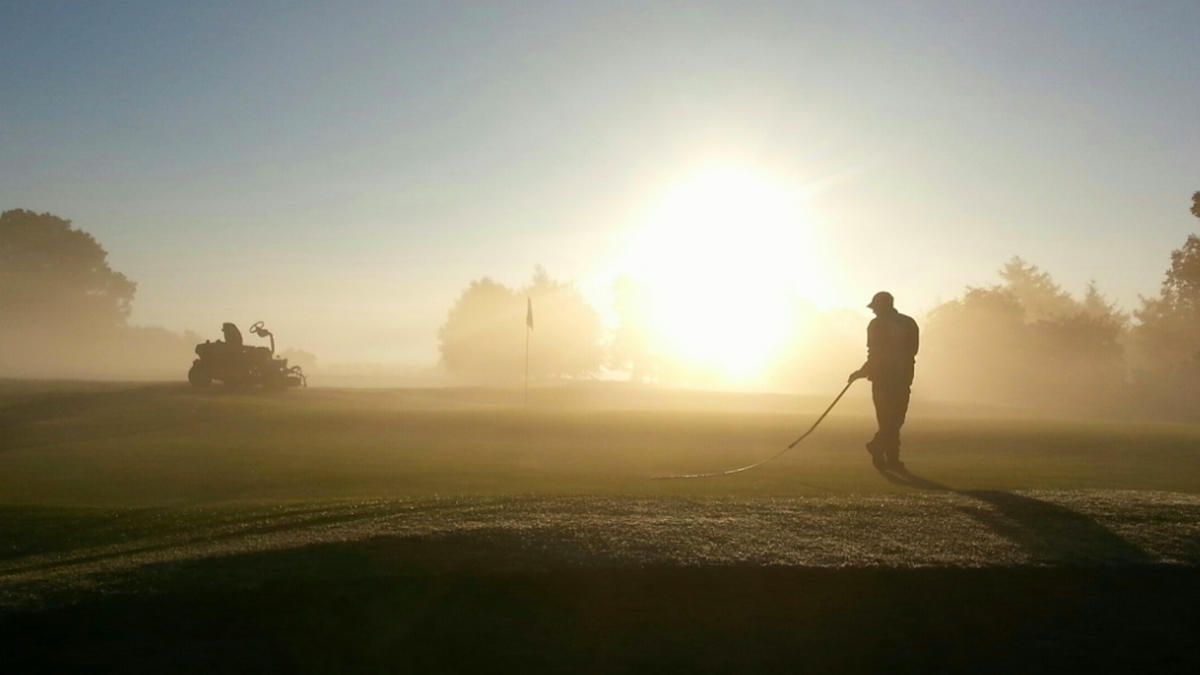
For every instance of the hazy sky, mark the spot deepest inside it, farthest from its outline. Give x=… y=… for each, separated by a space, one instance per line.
x=343 y=170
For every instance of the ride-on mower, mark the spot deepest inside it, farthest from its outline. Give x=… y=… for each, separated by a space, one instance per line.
x=233 y=363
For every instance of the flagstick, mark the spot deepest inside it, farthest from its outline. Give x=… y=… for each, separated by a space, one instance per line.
x=528 y=330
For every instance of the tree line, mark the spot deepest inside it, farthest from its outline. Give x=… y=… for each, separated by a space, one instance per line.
x=1027 y=341
x=1023 y=340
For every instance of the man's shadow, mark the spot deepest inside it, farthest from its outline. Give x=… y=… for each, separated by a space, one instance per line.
x=1049 y=533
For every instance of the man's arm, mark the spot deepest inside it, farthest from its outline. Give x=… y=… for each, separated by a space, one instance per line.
x=916 y=336
x=858 y=374
x=865 y=370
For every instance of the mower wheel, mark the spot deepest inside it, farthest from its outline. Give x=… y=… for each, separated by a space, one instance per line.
x=198 y=376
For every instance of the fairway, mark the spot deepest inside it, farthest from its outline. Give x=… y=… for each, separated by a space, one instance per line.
x=167 y=445
x=392 y=509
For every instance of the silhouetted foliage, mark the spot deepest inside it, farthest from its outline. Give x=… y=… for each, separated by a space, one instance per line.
x=1035 y=291
x=483 y=337
x=1169 y=330
x=55 y=276
x=1095 y=304
x=64 y=310
x=1167 y=336
x=1026 y=342
x=1179 y=296
x=569 y=338
x=1080 y=360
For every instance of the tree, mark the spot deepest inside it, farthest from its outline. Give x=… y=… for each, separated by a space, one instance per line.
x=1168 y=333
x=1027 y=342
x=973 y=347
x=1166 y=337
x=54 y=277
x=1095 y=304
x=569 y=338
x=1036 y=291
x=483 y=337
x=483 y=334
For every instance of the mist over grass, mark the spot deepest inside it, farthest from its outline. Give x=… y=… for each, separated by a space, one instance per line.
x=161 y=445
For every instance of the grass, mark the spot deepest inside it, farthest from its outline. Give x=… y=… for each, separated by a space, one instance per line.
x=153 y=527
x=169 y=446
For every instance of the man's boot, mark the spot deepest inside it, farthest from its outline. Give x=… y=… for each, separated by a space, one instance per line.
x=877 y=454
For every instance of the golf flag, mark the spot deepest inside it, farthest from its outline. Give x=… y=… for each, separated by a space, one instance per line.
x=529 y=313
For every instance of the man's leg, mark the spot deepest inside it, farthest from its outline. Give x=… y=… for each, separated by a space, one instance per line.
x=897 y=409
x=878 y=445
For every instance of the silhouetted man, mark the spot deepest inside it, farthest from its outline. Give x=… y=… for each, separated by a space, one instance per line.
x=892 y=341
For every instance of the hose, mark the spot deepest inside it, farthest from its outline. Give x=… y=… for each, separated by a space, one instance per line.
x=777 y=455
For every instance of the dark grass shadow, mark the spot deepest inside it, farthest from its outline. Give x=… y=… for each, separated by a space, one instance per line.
x=1050 y=533
x=204 y=534
x=462 y=604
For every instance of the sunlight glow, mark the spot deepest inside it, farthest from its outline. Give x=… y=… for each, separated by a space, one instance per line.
x=725 y=256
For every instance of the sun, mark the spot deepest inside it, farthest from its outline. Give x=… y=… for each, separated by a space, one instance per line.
x=724 y=256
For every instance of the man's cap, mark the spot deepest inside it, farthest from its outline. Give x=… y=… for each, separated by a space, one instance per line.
x=882 y=300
